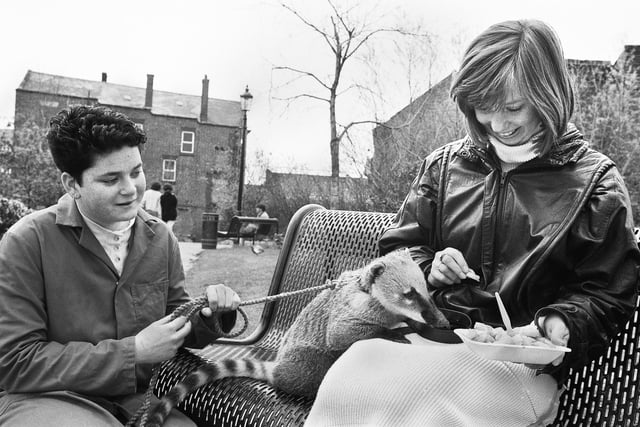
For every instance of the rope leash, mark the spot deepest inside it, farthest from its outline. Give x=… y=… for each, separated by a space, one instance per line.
x=188 y=310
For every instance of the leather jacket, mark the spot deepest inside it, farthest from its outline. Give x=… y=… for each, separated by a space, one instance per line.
x=552 y=235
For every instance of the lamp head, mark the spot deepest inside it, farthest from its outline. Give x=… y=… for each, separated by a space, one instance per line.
x=245 y=100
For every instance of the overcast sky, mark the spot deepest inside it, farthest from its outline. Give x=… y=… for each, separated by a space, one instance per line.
x=237 y=42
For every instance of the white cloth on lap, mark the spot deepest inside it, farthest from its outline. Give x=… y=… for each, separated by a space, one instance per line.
x=383 y=383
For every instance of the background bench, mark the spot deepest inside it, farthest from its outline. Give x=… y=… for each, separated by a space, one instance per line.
x=319 y=245
x=266 y=227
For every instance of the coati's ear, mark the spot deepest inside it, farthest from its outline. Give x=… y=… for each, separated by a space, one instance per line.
x=374 y=271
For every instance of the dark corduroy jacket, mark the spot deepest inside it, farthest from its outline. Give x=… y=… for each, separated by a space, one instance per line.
x=68 y=319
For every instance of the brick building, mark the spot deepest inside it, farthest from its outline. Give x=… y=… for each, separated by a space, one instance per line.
x=193 y=142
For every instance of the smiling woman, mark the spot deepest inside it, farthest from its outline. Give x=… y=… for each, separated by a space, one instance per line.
x=543 y=219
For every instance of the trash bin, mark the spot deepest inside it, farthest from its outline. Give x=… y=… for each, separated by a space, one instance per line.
x=209 y=230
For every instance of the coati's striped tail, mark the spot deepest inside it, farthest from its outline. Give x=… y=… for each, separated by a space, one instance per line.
x=207 y=373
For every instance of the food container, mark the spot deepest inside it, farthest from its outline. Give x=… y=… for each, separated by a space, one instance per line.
x=530 y=354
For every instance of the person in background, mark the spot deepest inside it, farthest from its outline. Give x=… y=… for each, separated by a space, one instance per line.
x=261 y=211
x=252 y=228
x=544 y=220
x=87 y=287
x=151 y=200
x=169 y=206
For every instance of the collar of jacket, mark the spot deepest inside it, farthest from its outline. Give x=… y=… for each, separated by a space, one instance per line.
x=568 y=148
x=67 y=213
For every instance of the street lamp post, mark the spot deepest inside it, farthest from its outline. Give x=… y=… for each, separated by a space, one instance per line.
x=245 y=105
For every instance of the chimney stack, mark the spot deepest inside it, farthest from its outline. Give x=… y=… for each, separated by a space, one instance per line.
x=148 y=99
x=104 y=77
x=204 y=101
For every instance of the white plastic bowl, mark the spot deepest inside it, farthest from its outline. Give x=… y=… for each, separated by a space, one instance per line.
x=530 y=354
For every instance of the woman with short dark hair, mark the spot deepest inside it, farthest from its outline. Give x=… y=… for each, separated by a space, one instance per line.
x=544 y=220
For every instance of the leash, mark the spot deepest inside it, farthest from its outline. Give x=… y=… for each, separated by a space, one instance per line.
x=189 y=309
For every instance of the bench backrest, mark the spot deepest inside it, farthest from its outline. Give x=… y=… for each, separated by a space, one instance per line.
x=265 y=225
x=321 y=243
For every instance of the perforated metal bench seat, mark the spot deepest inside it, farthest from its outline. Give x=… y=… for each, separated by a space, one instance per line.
x=233 y=401
x=319 y=245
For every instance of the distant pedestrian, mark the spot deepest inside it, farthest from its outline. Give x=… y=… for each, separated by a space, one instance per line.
x=169 y=206
x=251 y=228
x=151 y=200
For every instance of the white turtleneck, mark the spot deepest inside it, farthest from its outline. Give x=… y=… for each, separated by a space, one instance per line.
x=511 y=156
x=114 y=243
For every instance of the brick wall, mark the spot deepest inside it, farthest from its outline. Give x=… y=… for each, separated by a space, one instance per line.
x=205 y=180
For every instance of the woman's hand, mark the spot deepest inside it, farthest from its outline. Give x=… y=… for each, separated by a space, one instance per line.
x=221 y=298
x=160 y=340
x=557 y=331
x=449 y=267
x=554 y=329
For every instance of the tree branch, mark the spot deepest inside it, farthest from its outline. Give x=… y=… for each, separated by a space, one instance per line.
x=302 y=95
x=304 y=73
x=345 y=129
x=311 y=25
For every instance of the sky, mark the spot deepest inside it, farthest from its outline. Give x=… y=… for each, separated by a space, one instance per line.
x=237 y=43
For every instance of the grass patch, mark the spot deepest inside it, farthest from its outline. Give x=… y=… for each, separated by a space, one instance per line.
x=240 y=269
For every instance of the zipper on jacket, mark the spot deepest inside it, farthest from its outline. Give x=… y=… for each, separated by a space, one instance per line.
x=499 y=219
x=491 y=164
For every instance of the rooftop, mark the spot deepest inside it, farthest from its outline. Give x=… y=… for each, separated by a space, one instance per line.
x=221 y=112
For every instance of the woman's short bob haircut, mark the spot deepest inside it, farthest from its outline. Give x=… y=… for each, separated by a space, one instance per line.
x=525 y=56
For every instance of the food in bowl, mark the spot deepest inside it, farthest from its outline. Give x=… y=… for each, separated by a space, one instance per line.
x=522 y=345
x=526 y=335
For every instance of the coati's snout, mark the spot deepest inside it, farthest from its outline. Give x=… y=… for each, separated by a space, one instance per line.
x=433 y=316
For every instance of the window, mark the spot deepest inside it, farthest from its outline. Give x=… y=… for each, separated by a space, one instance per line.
x=188 y=141
x=169 y=170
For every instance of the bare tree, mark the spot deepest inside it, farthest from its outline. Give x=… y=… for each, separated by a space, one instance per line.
x=346 y=37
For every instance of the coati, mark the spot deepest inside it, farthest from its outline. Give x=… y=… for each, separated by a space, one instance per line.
x=365 y=303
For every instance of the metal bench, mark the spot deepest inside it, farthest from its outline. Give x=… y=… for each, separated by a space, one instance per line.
x=266 y=227
x=319 y=245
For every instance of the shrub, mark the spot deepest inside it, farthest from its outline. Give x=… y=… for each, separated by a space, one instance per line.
x=27 y=171
x=11 y=211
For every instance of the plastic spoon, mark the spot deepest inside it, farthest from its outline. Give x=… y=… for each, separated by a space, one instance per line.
x=503 y=313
